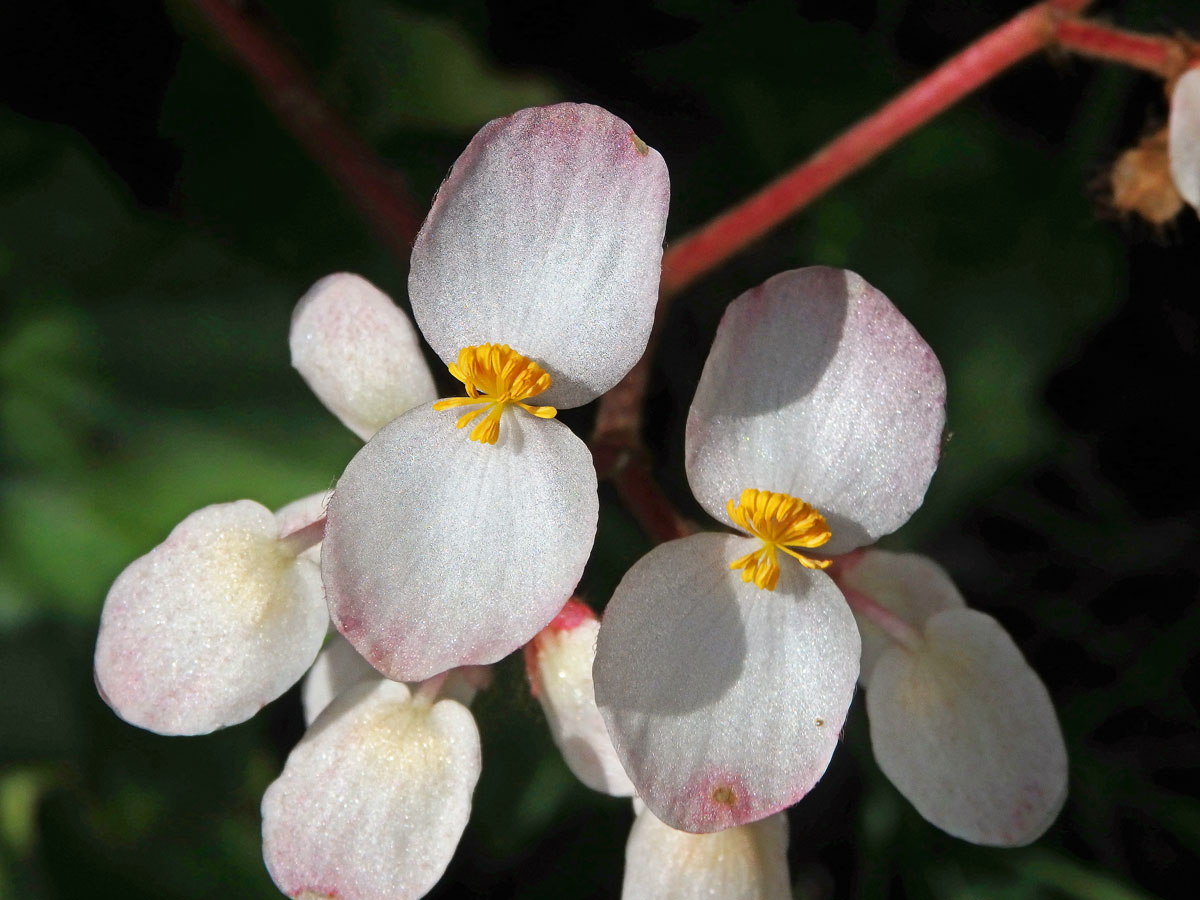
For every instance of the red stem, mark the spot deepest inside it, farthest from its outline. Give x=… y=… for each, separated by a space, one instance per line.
x=1166 y=57
x=378 y=192
x=712 y=244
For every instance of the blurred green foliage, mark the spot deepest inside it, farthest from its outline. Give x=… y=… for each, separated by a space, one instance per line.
x=144 y=373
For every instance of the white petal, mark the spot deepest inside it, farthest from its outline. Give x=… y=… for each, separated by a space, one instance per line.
x=440 y=551
x=966 y=731
x=359 y=353
x=911 y=586
x=817 y=387
x=210 y=625
x=748 y=862
x=299 y=513
x=373 y=801
x=724 y=701
x=559 y=663
x=1183 y=136
x=337 y=669
x=547 y=236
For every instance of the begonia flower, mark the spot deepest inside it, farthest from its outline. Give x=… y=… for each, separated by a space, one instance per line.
x=534 y=278
x=960 y=723
x=558 y=662
x=1183 y=136
x=229 y=611
x=746 y=862
x=218 y=620
x=726 y=663
x=373 y=800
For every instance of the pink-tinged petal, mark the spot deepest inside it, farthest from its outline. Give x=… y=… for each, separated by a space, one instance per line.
x=373 y=801
x=302 y=512
x=337 y=669
x=210 y=625
x=441 y=551
x=1183 y=137
x=724 y=701
x=747 y=862
x=908 y=585
x=547 y=236
x=559 y=664
x=359 y=353
x=966 y=731
x=816 y=386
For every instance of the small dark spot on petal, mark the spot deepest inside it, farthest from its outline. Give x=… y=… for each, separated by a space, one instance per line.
x=820 y=722
x=724 y=795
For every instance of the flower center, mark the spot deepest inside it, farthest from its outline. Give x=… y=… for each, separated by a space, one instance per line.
x=781 y=522
x=496 y=377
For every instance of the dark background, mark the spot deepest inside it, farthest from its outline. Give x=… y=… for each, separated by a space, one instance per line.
x=157 y=224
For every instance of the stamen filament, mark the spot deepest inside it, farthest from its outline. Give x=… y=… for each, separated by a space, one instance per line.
x=496 y=377
x=781 y=522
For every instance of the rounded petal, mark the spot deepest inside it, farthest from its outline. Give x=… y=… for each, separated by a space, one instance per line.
x=816 y=386
x=1183 y=136
x=300 y=513
x=210 y=625
x=359 y=353
x=441 y=551
x=338 y=668
x=559 y=663
x=748 y=862
x=724 y=701
x=909 y=585
x=547 y=236
x=373 y=801
x=967 y=733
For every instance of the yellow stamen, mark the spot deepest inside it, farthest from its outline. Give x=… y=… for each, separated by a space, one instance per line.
x=781 y=522
x=496 y=377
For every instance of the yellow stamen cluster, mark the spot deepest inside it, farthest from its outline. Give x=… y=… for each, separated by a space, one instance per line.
x=496 y=376
x=781 y=522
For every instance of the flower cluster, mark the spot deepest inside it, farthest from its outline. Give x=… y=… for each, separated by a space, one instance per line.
x=714 y=689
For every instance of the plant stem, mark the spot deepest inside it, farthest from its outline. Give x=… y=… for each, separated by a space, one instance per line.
x=712 y=244
x=378 y=192
x=1164 y=56
x=304 y=537
x=887 y=621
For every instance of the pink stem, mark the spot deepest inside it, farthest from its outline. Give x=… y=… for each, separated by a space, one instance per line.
x=305 y=537
x=379 y=192
x=890 y=623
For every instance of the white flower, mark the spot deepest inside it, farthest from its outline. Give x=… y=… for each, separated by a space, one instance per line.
x=558 y=662
x=534 y=278
x=374 y=798
x=218 y=620
x=726 y=663
x=959 y=721
x=746 y=862
x=1183 y=136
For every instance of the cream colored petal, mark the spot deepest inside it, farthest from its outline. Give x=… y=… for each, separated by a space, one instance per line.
x=373 y=801
x=210 y=625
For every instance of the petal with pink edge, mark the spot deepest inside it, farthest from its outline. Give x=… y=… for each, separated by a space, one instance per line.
x=967 y=733
x=359 y=353
x=547 y=236
x=1183 y=137
x=910 y=586
x=724 y=701
x=441 y=551
x=747 y=862
x=559 y=664
x=337 y=669
x=210 y=625
x=373 y=801
x=816 y=386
